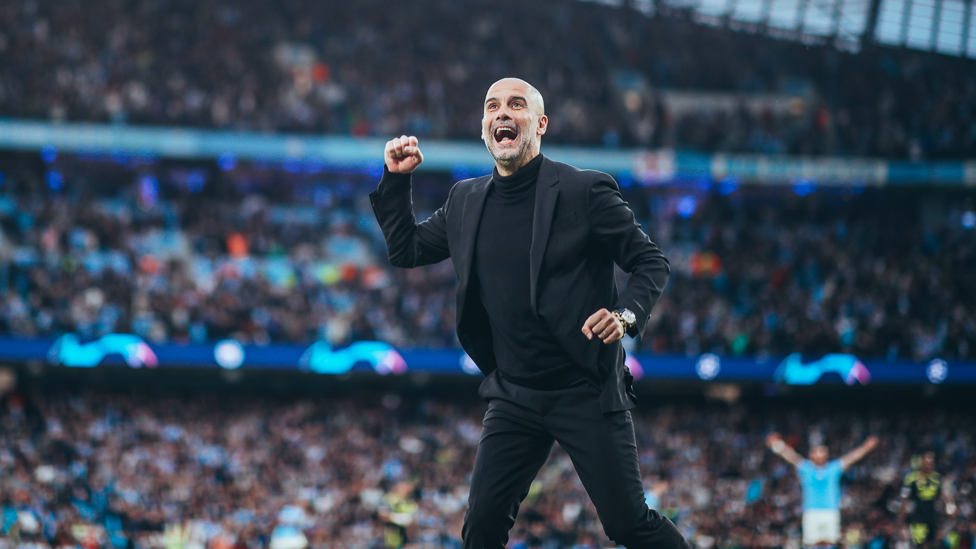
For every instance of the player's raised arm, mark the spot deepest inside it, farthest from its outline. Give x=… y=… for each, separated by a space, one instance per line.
x=779 y=447
x=855 y=455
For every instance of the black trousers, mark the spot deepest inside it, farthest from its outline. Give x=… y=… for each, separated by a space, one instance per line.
x=519 y=429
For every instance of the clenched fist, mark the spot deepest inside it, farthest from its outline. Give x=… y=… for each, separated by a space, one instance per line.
x=604 y=325
x=403 y=154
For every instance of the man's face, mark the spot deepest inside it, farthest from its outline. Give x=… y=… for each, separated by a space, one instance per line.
x=928 y=462
x=819 y=455
x=513 y=122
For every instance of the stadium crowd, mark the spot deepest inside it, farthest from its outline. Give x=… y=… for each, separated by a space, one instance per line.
x=818 y=274
x=759 y=272
x=373 y=470
x=371 y=68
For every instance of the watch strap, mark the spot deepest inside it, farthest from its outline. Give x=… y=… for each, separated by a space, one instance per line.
x=619 y=315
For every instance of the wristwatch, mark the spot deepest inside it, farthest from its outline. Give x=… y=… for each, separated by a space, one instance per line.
x=626 y=317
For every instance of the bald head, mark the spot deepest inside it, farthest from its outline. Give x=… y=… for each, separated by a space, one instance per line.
x=513 y=124
x=517 y=85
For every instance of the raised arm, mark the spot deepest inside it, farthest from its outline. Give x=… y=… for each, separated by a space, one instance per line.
x=855 y=455
x=408 y=243
x=779 y=447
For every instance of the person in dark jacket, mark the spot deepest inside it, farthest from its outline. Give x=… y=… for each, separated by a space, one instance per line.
x=534 y=246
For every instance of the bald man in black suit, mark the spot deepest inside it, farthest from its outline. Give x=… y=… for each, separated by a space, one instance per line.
x=534 y=246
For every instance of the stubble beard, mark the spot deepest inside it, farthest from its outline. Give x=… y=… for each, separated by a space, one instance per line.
x=510 y=158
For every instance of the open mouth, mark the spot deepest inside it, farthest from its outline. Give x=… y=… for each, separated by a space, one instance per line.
x=505 y=135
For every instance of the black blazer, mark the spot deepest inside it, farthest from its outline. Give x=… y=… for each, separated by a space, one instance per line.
x=581 y=227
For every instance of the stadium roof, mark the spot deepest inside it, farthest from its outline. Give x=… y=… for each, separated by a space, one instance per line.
x=942 y=26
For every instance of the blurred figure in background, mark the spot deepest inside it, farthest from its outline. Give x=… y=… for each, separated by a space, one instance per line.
x=397 y=512
x=820 y=480
x=921 y=491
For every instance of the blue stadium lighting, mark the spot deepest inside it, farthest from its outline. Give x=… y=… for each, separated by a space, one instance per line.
x=314 y=164
x=149 y=190
x=2 y=178
x=460 y=172
x=728 y=185
x=227 y=161
x=374 y=169
x=625 y=179
x=55 y=181
x=803 y=187
x=146 y=158
x=293 y=165
x=49 y=153
x=703 y=183
x=120 y=157
x=686 y=206
x=322 y=197
x=195 y=182
x=656 y=205
x=968 y=220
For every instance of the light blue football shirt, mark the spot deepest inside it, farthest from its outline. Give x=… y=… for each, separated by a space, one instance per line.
x=821 y=485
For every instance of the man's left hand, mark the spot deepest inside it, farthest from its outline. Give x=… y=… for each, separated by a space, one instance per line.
x=604 y=325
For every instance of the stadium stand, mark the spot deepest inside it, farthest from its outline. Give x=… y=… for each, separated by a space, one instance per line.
x=244 y=471
x=268 y=256
x=613 y=77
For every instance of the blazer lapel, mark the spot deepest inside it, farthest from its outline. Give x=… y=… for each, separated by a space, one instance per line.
x=474 y=203
x=545 y=206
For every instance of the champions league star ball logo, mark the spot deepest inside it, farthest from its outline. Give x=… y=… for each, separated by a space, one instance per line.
x=381 y=357
x=792 y=371
x=937 y=371
x=69 y=351
x=229 y=354
x=708 y=366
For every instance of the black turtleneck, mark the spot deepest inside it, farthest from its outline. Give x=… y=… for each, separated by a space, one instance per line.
x=526 y=351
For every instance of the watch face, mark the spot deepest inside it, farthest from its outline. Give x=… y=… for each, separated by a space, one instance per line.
x=628 y=316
